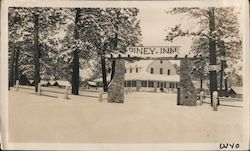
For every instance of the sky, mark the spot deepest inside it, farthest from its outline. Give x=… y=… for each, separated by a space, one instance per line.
x=154 y=23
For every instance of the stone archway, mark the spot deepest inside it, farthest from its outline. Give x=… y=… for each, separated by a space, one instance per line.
x=188 y=93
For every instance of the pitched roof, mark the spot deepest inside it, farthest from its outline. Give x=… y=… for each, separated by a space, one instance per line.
x=63 y=83
x=142 y=63
x=43 y=82
x=237 y=90
x=52 y=82
x=91 y=83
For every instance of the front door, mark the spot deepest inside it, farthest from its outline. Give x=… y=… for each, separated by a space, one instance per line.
x=161 y=86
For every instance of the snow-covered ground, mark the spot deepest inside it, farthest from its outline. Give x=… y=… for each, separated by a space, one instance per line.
x=143 y=118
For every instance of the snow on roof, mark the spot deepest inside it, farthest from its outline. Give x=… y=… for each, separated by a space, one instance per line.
x=63 y=83
x=91 y=83
x=43 y=82
x=141 y=63
x=52 y=82
x=237 y=90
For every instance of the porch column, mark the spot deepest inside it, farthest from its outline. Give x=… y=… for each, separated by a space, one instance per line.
x=155 y=86
x=138 y=85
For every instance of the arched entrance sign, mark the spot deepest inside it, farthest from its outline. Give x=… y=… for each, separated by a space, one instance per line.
x=186 y=92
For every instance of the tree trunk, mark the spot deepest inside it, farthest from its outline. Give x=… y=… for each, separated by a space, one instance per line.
x=36 y=52
x=114 y=47
x=104 y=74
x=223 y=62
x=16 y=65
x=11 y=71
x=201 y=80
x=226 y=89
x=221 y=78
x=112 y=69
x=212 y=51
x=75 y=74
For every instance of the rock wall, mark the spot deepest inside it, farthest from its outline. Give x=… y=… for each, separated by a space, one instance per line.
x=116 y=86
x=188 y=93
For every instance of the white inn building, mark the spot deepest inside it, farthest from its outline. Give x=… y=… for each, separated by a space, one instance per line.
x=149 y=75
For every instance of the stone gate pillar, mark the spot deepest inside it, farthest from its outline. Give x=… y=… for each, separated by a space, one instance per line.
x=188 y=93
x=116 y=86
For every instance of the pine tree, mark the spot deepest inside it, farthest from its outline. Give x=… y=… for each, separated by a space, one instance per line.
x=39 y=24
x=212 y=25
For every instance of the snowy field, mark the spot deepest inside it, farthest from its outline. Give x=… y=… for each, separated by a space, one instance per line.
x=143 y=118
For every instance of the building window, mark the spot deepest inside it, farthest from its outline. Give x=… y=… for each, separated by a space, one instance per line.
x=130 y=70
x=133 y=83
x=170 y=85
x=152 y=70
x=144 y=83
x=136 y=70
x=158 y=84
x=165 y=85
x=168 y=71
x=125 y=71
x=161 y=71
x=161 y=61
x=150 y=83
x=125 y=84
x=128 y=83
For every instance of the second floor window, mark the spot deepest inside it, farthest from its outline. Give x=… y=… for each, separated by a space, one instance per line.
x=136 y=70
x=168 y=72
x=152 y=70
x=161 y=71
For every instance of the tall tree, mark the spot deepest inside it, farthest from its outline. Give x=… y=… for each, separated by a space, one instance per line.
x=75 y=75
x=215 y=25
x=39 y=23
x=15 y=29
x=78 y=43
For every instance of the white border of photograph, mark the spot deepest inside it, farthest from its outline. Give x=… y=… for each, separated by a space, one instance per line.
x=67 y=3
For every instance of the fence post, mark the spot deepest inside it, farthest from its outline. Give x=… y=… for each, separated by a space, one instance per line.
x=100 y=95
x=17 y=85
x=66 y=92
x=39 y=89
x=215 y=100
x=201 y=96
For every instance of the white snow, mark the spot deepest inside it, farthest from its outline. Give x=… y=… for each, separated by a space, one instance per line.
x=143 y=118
